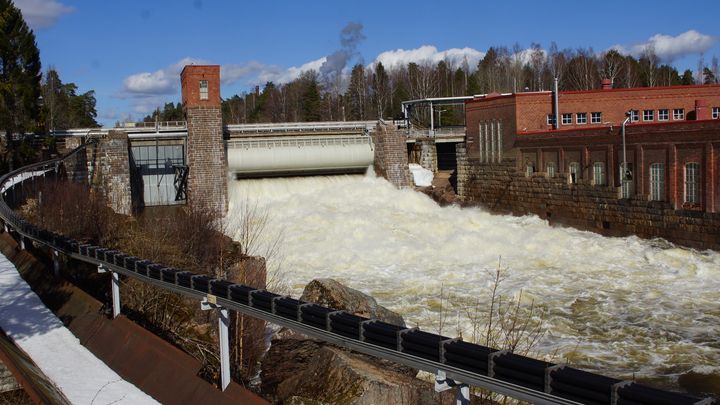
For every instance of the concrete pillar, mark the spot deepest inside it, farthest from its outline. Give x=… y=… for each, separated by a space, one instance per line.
x=207 y=175
x=391 y=160
x=462 y=170
x=112 y=171
x=428 y=154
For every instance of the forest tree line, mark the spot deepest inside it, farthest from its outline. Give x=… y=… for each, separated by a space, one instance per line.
x=375 y=91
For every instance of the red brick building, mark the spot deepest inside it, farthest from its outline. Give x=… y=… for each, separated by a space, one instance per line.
x=672 y=139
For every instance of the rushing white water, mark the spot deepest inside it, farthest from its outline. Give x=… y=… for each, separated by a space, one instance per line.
x=615 y=305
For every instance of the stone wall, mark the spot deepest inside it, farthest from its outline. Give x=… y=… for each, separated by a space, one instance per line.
x=462 y=172
x=502 y=188
x=110 y=170
x=207 y=182
x=104 y=166
x=391 y=161
x=428 y=154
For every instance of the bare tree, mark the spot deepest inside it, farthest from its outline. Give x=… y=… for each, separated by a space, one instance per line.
x=611 y=65
x=649 y=66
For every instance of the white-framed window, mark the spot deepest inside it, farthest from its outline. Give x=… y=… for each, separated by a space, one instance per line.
x=567 y=118
x=657 y=181
x=634 y=115
x=203 y=89
x=550 y=169
x=551 y=119
x=599 y=173
x=581 y=118
x=716 y=112
x=481 y=142
x=493 y=140
x=500 y=142
x=692 y=183
x=678 y=114
x=486 y=137
x=648 y=115
x=663 y=115
x=529 y=169
x=596 y=118
x=574 y=172
x=626 y=184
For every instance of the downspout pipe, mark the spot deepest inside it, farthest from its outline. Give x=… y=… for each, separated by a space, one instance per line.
x=556 y=104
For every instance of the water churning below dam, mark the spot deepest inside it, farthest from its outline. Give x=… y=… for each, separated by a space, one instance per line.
x=617 y=306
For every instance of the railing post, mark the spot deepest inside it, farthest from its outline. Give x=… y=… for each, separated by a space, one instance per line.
x=223 y=326
x=209 y=303
x=115 y=287
x=115 y=293
x=463 y=395
x=56 y=263
x=22 y=242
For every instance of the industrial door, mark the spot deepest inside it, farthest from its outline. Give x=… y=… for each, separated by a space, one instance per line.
x=155 y=165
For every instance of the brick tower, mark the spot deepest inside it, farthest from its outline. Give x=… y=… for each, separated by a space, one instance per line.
x=207 y=175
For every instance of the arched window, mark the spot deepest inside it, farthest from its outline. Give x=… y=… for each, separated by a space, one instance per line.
x=550 y=169
x=657 y=181
x=481 y=142
x=493 y=141
x=574 y=171
x=626 y=183
x=599 y=173
x=500 y=141
x=529 y=169
x=692 y=183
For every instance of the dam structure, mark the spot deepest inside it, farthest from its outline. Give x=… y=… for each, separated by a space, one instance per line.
x=604 y=306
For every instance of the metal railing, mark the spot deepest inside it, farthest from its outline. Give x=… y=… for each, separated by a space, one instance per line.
x=449 y=132
x=301 y=141
x=324 y=126
x=517 y=376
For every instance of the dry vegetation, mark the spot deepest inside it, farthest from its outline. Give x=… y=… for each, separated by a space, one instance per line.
x=176 y=237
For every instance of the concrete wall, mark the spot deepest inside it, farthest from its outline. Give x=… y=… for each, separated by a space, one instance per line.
x=391 y=161
x=503 y=188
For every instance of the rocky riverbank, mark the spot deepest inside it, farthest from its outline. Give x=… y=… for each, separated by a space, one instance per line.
x=300 y=370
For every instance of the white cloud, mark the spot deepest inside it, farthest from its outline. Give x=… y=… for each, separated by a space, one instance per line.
x=293 y=73
x=255 y=72
x=42 y=13
x=234 y=73
x=429 y=53
x=160 y=82
x=669 y=48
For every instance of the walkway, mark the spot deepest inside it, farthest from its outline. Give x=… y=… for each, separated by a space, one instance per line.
x=79 y=375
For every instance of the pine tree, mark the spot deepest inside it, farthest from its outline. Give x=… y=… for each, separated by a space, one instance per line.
x=381 y=89
x=687 y=77
x=356 y=93
x=63 y=108
x=310 y=99
x=19 y=74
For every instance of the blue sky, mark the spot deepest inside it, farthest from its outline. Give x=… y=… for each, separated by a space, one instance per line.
x=130 y=52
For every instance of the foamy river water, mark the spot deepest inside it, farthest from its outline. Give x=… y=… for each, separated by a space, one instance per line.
x=617 y=306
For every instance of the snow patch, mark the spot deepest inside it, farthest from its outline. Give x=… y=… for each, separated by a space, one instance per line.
x=421 y=176
x=82 y=377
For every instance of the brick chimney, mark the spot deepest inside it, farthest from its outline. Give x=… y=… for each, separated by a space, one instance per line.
x=702 y=110
x=207 y=174
x=606 y=84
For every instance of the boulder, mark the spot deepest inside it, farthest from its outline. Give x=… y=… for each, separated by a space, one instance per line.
x=298 y=371
x=328 y=292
